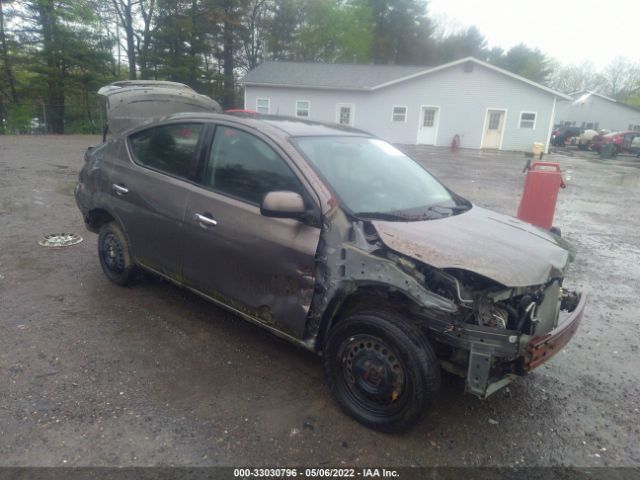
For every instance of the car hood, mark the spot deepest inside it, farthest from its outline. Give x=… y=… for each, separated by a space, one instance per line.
x=131 y=103
x=499 y=247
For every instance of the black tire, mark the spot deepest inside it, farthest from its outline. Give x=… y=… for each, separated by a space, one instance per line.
x=381 y=370
x=115 y=255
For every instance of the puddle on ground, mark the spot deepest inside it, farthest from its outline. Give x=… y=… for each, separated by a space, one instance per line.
x=626 y=180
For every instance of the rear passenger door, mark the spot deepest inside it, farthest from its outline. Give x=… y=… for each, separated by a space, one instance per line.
x=149 y=194
x=261 y=266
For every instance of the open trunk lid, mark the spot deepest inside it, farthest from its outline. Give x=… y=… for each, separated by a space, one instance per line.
x=131 y=103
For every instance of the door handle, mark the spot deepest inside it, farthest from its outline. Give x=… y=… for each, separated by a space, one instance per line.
x=208 y=221
x=119 y=189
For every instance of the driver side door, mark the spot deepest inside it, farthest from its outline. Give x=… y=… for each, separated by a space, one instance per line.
x=260 y=266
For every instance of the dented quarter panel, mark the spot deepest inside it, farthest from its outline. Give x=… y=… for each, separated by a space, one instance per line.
x=504 y=249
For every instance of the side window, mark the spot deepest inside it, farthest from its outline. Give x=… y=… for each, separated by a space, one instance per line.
x=169 y=148
x=245 y=167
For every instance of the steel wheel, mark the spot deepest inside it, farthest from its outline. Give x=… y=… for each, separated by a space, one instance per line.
x=113 y=251
x=373 y=373
x=380 y=369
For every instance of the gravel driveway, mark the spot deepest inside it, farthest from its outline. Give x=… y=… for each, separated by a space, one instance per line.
x=94 y=374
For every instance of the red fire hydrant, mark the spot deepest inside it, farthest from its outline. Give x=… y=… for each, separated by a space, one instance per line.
x=455 y=143
x=538 y=202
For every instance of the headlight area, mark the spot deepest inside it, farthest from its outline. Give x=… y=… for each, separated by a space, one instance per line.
x=500 y=333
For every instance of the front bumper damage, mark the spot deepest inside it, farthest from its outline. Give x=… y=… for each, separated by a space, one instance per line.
x=497 y=357
x=542 y=348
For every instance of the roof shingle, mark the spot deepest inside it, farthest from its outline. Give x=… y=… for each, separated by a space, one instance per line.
x=327 y=75
x=338 y=76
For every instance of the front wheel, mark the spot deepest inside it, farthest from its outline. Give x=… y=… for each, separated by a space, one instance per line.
x=114 y=253
x=381 y=370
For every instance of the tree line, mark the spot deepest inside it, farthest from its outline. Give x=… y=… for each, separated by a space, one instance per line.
x=55 y=54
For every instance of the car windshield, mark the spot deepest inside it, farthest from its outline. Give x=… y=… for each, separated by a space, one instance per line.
x=374 y=179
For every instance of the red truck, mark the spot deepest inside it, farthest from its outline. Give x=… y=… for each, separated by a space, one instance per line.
x=622 y=141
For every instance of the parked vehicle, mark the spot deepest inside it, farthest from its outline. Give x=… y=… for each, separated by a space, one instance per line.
x=564 y=135
x=585 y=139
x=338 y=242
x=242 y=112
x=635 y=146
x=596 y=143
x=621 y=141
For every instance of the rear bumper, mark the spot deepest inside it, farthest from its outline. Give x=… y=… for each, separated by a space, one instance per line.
x=542 y=348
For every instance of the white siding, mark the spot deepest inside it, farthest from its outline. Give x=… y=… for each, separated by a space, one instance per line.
x=609 y=115
x=463 y=98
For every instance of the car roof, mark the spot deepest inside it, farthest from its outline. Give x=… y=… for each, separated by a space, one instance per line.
x=569 y=127
x=276 y=125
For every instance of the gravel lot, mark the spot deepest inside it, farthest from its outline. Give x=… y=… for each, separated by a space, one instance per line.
x=94 y=374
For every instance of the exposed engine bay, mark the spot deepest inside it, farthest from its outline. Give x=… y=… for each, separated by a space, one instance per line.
x=483 y=329
x=529 y=310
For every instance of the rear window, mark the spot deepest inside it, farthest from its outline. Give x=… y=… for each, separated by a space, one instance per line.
x=169 y=149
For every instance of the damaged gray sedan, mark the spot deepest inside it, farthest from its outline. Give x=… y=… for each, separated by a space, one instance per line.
x=338 y=242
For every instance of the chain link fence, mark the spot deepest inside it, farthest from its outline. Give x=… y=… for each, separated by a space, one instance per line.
x=29 y=118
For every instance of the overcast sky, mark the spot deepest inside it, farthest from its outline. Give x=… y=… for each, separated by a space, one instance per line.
x=571 y=31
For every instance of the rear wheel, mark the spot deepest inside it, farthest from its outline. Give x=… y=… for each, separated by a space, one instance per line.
x=114 y=253
x=381 y=370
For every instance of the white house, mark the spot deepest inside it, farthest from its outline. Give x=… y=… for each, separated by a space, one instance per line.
x=486 y=106
x=595 y=111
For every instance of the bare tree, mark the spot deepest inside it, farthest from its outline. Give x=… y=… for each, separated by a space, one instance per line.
x=622 y=79
x=124 y=9
x=146 y=11
x=573 y=78
x=253 y=41
x=131 y=15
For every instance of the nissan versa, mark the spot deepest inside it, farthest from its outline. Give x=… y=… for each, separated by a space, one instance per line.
x=330 y=238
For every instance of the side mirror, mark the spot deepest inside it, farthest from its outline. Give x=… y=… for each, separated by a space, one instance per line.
x=282 y=205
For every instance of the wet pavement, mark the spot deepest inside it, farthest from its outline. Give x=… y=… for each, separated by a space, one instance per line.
x=95 y=374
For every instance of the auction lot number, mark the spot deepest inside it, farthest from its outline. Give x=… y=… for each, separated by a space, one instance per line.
x=315 y=473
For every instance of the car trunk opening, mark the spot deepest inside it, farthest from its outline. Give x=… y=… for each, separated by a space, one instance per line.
x=134 y=103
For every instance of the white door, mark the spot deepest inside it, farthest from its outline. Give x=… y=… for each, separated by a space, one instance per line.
x=494 y=127
x=344 y=114
x=429 y=117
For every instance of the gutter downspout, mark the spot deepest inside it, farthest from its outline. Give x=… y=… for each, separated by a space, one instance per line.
x=553 y=118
